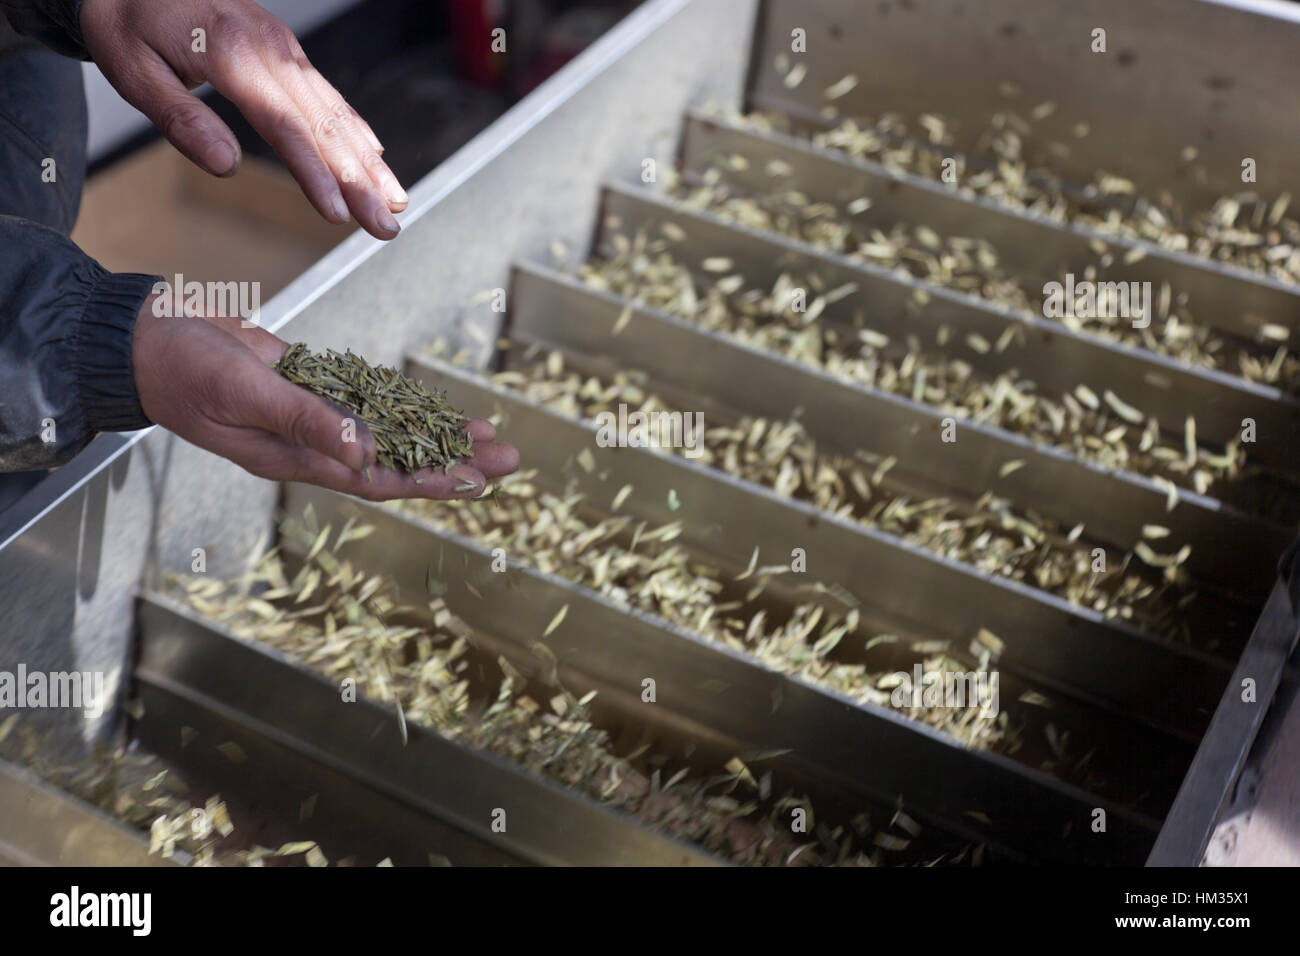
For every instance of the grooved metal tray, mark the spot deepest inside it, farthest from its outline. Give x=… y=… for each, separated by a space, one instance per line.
x=1165 y=719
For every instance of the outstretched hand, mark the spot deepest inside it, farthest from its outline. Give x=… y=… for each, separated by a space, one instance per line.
x=155 y=51
x=210 y=381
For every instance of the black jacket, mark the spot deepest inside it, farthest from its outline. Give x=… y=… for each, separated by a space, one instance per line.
x=56 y=23
x=65 y=322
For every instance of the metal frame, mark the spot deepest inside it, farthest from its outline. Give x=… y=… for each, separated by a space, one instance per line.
x=875 y=752
x=199 y=664
x=133 y=506
x=41 y=825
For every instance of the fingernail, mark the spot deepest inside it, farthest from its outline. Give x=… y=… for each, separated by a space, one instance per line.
x=386 y=222
x=394 y=191
x=340 y=209
x=219 y=157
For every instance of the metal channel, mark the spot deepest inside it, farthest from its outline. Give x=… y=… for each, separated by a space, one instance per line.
x=1059 y=359
x=1229 y=298
x=1207 y=787
x=266 y=791
x=1232 y=549
x=193 y=659
x=1108 y=663
x=1153 y=92
x=41 y=825
x=867 y=749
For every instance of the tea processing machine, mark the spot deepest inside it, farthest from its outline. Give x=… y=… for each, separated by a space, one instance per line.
x=580 y=166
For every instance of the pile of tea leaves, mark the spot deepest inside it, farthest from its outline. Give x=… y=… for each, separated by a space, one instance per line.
x=414 y=427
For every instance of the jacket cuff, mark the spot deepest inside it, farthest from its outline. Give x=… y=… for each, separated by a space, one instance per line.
x=55 y=23
x=102 y=365
x=67 y=15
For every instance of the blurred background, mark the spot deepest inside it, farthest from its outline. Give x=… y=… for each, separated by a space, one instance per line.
x=423 y=75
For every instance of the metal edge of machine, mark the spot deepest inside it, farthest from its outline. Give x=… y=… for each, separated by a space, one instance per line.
x=133 y=506
x=59 y=517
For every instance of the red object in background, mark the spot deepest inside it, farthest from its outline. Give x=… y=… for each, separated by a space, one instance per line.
x=472 y=23
x=565 y=37
x=542 y=36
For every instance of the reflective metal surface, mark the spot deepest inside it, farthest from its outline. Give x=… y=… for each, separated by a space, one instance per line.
x=1230 y=548
x=1210 y=74
x=872 y=750
x=1207 y=788
x=1063 y=646
x=41 y=825
x=197 y=663
x=1030 y=247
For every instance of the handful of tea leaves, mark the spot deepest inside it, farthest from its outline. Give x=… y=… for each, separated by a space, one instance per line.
x=414 y=428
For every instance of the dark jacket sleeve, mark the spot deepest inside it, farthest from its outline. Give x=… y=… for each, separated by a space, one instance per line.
x=65 y=347
x=56 y=23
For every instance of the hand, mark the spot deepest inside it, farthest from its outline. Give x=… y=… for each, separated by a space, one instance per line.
x=146 y=50
x=210 y=381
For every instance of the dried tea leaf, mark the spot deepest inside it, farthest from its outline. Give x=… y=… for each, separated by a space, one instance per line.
x=620 y=498
x=555 y=621
x=233 y=752
x=1123 y=409
x=293 y=849
x=841 y=87
x=621 y=322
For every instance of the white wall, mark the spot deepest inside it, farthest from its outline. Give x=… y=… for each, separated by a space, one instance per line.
x=113 y=120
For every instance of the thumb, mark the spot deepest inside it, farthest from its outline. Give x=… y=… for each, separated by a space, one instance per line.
x=152 y=87
x=278 y=406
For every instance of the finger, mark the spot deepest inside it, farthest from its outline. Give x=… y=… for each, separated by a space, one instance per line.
x=355 y=166
x=480 y=429
x=152 y=87
x=362 y=176
x=270 y=456
x=365 y=143
x=463 y=481
x=328 y=93
x=274 y=404
x=383 y=484
x=278 y=120
x=494 y=458
x=267 y=346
